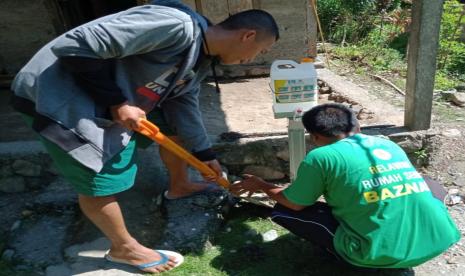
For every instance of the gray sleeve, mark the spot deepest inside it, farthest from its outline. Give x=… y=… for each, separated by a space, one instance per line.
x=135 y=31
x=183 y=115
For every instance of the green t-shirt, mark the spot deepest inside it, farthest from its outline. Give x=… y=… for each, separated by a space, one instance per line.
x=388 y=216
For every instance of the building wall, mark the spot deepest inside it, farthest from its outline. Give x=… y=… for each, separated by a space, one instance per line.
x=27 y=25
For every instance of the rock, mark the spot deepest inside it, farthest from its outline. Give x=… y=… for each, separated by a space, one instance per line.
x=87 y=259
x=33 y=183
x=356 y=108
x=325 y=90
x=409 y=142
x=193 y=220
x=437 y=95
x=453 y=200
x=458 y=99
x=460 y=87
x=15 y=184
x=192 y=231
x=319 y=64
x=58 y=270
x=26 y=213
x=447 y=95
x=40 y=242
x=411 y=146
x=259 y=71
x=53 y=169
x=5 y=171
x=323 y=98
x=459 y=182
x=270 y=235
x=365 y=114
x=451 y=133
x=251 y=153
x=24 y=268
x=58 y=193
x=26 y=168
x=96 y=249
x=264 y=172
x=336 y=97
x=15 y=225
x=283 y=154
x=8 y=255
x=234 y=72
x=202 y=202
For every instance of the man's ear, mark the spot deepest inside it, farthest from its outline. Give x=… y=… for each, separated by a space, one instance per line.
x=249 y=35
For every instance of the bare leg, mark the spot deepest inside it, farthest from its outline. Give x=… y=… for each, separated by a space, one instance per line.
x=179 y=185
x=106 y=214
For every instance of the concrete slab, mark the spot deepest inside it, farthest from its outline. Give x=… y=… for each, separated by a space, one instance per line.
x=243 y=106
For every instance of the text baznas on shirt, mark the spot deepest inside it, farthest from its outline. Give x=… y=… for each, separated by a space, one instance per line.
x=391 y=179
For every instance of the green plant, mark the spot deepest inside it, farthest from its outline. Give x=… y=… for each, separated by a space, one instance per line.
x=346 y=21
x=383 y=47
x=444 y=82
x=421 y=154
x=451 y=55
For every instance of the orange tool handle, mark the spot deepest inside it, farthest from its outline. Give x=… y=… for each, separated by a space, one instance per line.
x=153 y=132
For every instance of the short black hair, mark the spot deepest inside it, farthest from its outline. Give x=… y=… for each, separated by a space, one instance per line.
x=258 y=20
x=330 y=120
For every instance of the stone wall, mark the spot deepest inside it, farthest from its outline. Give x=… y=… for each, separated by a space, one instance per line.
x=267 y=157
x=25 y=26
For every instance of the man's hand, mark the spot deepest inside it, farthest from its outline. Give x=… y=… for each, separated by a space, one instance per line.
x=216 y=167
x=127 y=115
x=250 y=184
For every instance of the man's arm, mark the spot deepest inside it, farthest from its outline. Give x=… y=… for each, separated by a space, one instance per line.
x=183 y=115
x=308 y=186
x=135 y=31
x=252 y=184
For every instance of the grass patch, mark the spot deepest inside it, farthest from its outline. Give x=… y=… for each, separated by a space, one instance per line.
x=238 y=249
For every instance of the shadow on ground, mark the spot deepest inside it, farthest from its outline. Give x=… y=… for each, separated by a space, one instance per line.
x=247 y=254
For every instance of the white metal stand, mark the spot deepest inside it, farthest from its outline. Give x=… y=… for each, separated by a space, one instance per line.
x=297 y=149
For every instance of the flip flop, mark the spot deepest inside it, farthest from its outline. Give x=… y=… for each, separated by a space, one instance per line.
x=165 y=254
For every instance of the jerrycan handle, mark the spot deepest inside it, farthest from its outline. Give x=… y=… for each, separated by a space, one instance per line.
x=283 y=65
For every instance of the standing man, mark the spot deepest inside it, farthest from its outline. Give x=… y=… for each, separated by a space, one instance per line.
x=86 y=91
x=379 y=211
